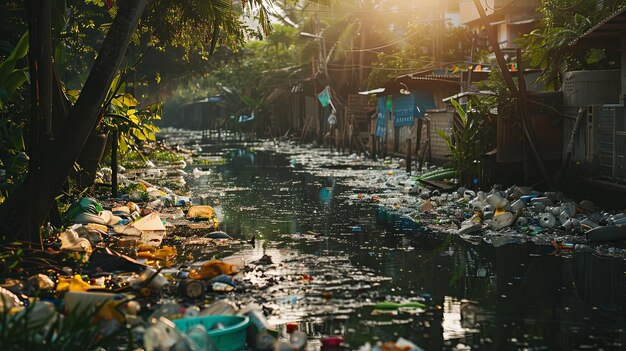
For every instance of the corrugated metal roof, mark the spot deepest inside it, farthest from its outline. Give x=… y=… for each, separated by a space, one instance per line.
x=613 y=25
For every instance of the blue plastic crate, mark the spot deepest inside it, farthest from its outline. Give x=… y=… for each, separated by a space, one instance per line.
x=231 y=338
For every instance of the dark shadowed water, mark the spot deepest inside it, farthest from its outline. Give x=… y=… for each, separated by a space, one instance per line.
x=511 y=297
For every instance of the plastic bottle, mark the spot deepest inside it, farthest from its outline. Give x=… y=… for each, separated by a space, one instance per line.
x=220 y=307
x=264 y=342
x=547 y=220
x=298 y=340
x=199 y=339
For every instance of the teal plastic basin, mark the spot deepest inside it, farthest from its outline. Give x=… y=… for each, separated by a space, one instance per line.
x=231 y=338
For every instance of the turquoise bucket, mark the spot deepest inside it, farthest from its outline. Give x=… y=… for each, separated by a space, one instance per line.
x=231 y=338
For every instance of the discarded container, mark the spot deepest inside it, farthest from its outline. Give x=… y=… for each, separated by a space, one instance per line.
x=528 y=198
x=547 y=220
x=201 y=212
x=231 y=337
x=569 y=207
x=522 y=222
x=497 y=201
x=539 y=206
x=84 y=218
x=81 y=302
x=39 y=315
x=198 y=336
x=571 y=224
x=589 y=223
x=191 y=288
x=298 y=340
x=502 y=220
x=544 y=200
x=554 y=210
x=222 y=287
x=332 y=341
x=518 y=205
x=75 y=283
x=262 y=341
x=212 y=269
x=149 y=278
x=152 y=229
x=41 y=282
x=84 y=205
x=162 y=335
x=71 y=242
x=469 y=226
x=564 y=217
x=291 y=327
x=219 y=308
x=620 y=221
x=8 y=300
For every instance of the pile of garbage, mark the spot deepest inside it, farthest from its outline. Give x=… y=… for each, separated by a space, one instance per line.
x=515 y=214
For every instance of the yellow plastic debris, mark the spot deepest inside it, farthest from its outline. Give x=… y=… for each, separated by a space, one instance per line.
x=212 y=269
x=201 y=212
x=75 y=283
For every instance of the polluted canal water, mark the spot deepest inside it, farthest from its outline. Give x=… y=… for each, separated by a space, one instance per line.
x=333 y=260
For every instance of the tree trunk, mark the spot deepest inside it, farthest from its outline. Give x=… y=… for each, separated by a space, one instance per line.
x=28 y=207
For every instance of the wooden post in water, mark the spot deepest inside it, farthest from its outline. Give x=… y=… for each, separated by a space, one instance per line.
x=430 y=149
x=350 y=139
x=114 y=136
x=373 y=146
x=219 y=135
x=408 y=155
x=418 y=140
x=423 y=153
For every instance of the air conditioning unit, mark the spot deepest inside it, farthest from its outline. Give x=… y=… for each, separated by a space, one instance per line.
x=606 y=140
x=593 y=87
x=593 y=113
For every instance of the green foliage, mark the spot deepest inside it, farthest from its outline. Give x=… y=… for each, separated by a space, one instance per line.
x=121 y=113
x=13 y=158
x=200 y=26
x=135 y=126
x=550 y=46
x=78 y=329
x=502 y=99
x=469 y=140
x=414 y=52
x=11 y=254
x=250 y=75
x=11 y=77
x=546 y=44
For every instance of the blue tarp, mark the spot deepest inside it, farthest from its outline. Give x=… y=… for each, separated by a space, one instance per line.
x=409 y=107
x=423 y=102
x=404 y=110
x=381 y=121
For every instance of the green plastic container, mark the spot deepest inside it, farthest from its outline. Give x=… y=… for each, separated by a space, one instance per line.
x=231 y=338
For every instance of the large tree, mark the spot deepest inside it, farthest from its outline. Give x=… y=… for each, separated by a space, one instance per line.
x=53 y=151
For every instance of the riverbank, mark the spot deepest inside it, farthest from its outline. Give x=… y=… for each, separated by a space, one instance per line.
x=322 y=240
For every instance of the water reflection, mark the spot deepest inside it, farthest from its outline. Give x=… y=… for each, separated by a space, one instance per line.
x=513 y=297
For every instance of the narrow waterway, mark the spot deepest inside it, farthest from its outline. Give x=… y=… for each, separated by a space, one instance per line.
x=333 y=259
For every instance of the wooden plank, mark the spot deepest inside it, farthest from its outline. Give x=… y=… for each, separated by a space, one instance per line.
x=438 y=184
